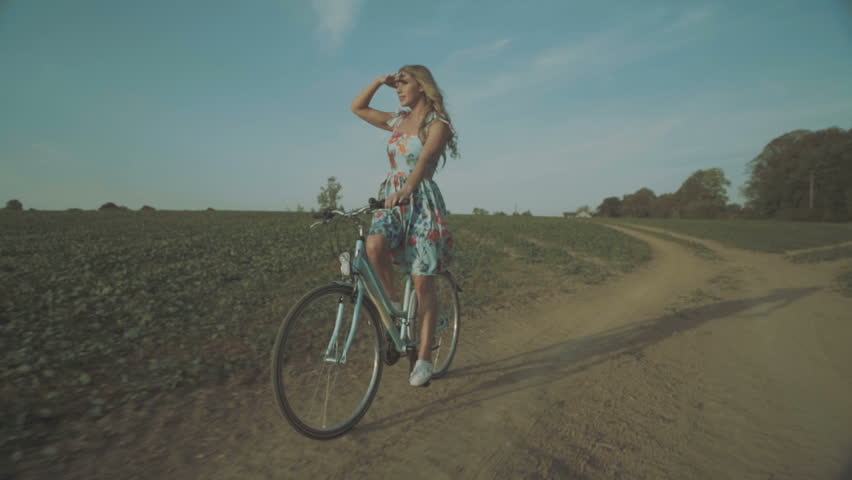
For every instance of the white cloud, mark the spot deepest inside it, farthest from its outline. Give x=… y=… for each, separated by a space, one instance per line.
x=481 y=51
x=592 y=55
x=691 y=18
x=336 y=20
x=589 y=52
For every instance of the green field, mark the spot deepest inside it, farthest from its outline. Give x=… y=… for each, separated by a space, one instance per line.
x=825 y=255
x=844 y=281
x=762 y=236
x=696 y=248
x=103 y=308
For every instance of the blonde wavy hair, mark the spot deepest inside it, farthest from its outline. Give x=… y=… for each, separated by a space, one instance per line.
x=435 y=103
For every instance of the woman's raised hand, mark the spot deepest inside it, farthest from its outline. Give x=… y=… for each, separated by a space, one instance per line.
x=389 y=80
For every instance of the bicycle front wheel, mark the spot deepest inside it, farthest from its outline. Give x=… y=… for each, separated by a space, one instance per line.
x=316 y=391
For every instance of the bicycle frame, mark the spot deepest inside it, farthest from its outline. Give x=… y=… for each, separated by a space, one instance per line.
x=366 y=281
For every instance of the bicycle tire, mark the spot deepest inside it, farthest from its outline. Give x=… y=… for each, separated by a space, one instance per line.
x=449 y=307
x=297 y=349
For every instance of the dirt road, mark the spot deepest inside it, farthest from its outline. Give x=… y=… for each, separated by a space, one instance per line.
x=688 y=368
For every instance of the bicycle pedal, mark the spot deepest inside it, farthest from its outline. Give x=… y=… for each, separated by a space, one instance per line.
x=391 y=357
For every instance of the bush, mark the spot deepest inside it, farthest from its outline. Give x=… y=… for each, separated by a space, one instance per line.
x=14 y=205
x=146 y=208
x=109 y=206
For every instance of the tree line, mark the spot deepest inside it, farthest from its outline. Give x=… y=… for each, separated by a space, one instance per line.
x=800 y=175
x=803 y=175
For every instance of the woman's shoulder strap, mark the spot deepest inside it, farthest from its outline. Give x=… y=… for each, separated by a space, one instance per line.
x=396 y=118
x=433 y=115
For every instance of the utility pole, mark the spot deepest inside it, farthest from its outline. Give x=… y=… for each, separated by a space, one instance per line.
x=811 y=202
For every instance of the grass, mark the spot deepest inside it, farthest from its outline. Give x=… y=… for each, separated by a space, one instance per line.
x=576 y=245
x=826 y=255
x=757 y=235
x=845 y=283
x=696 y=248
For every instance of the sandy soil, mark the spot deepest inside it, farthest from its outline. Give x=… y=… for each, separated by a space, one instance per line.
x=687 y=368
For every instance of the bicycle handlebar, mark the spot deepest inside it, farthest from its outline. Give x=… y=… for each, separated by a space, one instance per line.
x=375 y=204
x=326 y=214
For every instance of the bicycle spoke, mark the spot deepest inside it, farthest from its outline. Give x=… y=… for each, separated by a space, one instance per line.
x=314 y=397
x=324 y=416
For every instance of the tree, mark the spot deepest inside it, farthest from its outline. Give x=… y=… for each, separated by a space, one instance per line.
x=527 y=214
x=585 y=208
x=733 y=210
x=330 y=194
x=665 y=206
x=14 y=205
x=610 y=207
x=638 y=204
x=500 y=214
x=480 y=211
x=299 y=207
x=802 y=175
x=703 y=194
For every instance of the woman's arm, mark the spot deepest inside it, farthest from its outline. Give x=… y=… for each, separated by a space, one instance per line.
x=436 y=141
x=361 y=105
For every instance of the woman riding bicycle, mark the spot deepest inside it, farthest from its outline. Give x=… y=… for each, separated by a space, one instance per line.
x=411 y=231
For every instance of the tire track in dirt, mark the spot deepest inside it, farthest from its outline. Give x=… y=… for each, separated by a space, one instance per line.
x=609 y=329
x=777 y=375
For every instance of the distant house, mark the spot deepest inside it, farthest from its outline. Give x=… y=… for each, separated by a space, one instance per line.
x=583 y=214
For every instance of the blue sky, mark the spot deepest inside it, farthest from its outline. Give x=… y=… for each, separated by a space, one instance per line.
x=245 y=105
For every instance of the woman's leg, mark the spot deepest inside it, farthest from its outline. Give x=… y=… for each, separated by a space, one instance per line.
x=378 y=250
x=427 y=310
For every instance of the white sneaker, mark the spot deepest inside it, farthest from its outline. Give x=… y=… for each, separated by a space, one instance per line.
x=421 y=373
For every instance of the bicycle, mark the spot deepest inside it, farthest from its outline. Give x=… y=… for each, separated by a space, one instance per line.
x=312 y=337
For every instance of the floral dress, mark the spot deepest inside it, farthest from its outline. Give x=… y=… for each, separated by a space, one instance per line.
x=419 y=237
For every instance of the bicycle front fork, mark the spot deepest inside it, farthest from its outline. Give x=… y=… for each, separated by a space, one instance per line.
x=332 y=353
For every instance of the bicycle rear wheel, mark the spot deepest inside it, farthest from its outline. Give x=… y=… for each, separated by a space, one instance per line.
x=448 y=323
x=446 y=329
x=321 y=397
